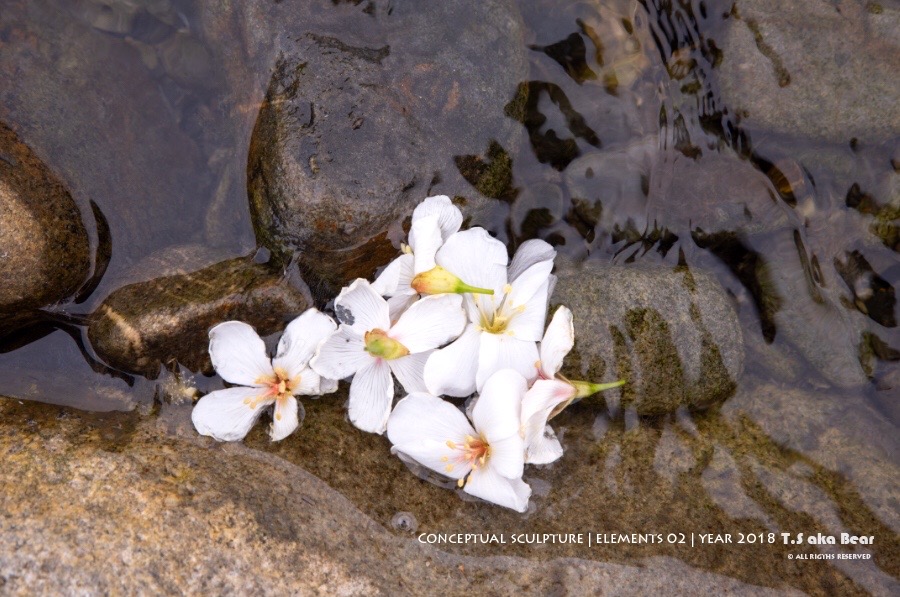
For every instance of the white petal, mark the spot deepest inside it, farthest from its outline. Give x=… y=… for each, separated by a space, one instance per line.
x=489 y=485
x=523 y=288
x=400 y=302
x=420 y=427
x=430 y=322
x=341 y=355
x=558 y=340
x=238 y=353
x=497 y=413
x=542 y=399
x=508 y=456
x=310 y=383
x=544 y=448
x=362 y=308
x=425 y=240
x=395 y=277
x=410 y=371
x=285 y=419
x=529 y=323
x=224 y=415
x=500 y=351
x=530 y=252
x=327 y=386
x=371 y=395
x=300 y=339
x=451 y=371
x=449 y=218
x=475 y=257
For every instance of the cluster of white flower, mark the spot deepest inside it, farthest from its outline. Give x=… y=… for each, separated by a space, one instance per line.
x=449 y=317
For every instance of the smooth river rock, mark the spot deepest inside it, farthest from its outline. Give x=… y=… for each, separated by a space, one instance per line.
x=673 y=335
x=365 y=117
x=44 y=246
x=142 y=325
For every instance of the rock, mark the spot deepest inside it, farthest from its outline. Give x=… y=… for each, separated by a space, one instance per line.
x=822 y=70
x=44 y=245
x=180 y=514
x=142 y=325
x=365 y=118
x=671 y=334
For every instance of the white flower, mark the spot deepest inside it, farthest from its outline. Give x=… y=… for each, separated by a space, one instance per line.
x=551 y=393
x=239 y=357
x=437 y=435
x=503 y=328
x=367 y=345
x=433 y=221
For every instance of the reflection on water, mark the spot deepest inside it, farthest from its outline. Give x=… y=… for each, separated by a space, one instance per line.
x=628 y=155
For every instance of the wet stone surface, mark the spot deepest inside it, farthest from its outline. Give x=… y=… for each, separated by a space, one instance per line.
x=166 y=320
x=673 y=335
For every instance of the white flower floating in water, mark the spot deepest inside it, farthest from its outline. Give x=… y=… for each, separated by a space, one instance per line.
x=504 y=327
x=487 y=457
x=550 y=394
x=239 y=357
x=367 y=345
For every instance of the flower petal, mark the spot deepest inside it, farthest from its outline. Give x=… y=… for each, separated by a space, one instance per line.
x=449 y=218
x=310 y=383
x=285 y=419
x=501 y=351
x=451 y=371
x=508 y=456
x=497 y=413
x=410 y=370
x=529 y=253
x=327 y=386
x=341 y=355
x=528 y=324
x=487 y=484
x=371 y=395
x=300 y=339
x=238 y=353
x=544 y=448
x=395 y=277
x=400 y=302
x=225 y=416
x=430 y=322
x=361 y=308
x=475 y=257
x=425 y=240
x=539 y=403
x=523 y=288
x=420 y=427
x=558 y=340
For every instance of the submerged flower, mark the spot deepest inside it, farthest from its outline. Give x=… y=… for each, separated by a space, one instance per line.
x=239 y=357
x=551 y=393
x=367 y=345
x=486 y=456
x=433 y=221
x=504 y=327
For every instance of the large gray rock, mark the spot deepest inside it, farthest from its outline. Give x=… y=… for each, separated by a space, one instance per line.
x=816 y=69
x=673 y=335
x=142 y=325
x=44 y=246
x=365 y=117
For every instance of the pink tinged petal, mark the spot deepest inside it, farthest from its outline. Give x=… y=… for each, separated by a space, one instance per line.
x=285 y=419
x=224 y=414
x=310 y=383
x=544 y=396
x=448 y=216
x=528 y=324
x=341 y=355
x=508 y=456
x=489 y=485
x=544 y=448
x=300 y=340
x=400 y=302
x=361 y=308
x=420 y=427
x=395 y=277
x=558 y=340
x=497 y=413
x=475 y=257
x=430 y=322
x=410 y=371
x=529 y=253
x=238 y=353
x=425 y=240
x=371 y=395
x=500 y=351
x=451 y=371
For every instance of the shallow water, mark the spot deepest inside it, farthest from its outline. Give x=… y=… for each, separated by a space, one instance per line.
x=626 y=133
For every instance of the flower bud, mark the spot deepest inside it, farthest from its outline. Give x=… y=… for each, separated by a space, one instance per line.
x=379 y=344
x=437 y=280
